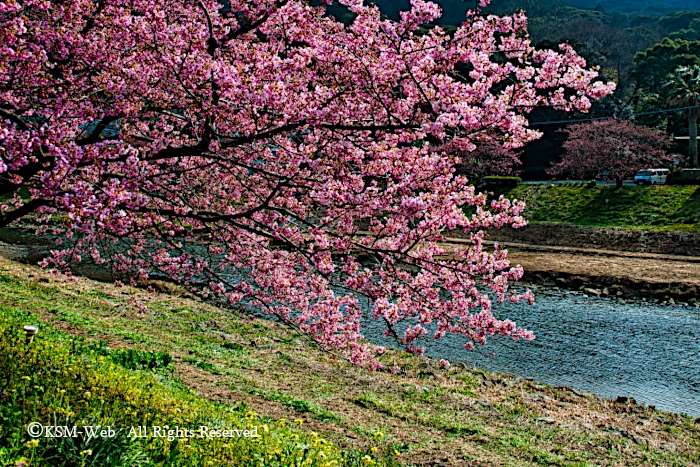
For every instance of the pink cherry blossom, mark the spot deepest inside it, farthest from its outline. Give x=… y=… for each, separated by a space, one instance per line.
x=270 y=155
x=610 y=150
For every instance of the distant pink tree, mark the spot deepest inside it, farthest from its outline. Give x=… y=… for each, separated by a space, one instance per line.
x=490 y=157
x=610 y=150
x=275 y=156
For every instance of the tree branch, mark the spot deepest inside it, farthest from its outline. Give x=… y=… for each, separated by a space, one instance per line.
x=9 y=217
x=255 y=24
x=7 y=115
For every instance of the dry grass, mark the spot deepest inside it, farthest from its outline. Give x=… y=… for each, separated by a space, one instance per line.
x=430 y=416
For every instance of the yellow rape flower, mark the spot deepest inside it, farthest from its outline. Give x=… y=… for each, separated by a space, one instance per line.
x=31 y=444
x=367 y=460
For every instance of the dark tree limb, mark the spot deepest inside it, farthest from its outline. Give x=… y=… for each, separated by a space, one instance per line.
x=7 y=218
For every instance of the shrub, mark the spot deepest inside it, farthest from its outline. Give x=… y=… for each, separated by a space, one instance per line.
x=132 y=359
x=685 y=177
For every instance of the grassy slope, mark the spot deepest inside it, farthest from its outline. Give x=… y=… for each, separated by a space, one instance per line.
x=664 y=207
x=58 y=380
x=428 y=415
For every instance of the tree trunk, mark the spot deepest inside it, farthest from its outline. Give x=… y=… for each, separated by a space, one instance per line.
x=693 y=132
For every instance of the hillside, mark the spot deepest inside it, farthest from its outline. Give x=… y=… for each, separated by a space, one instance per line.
x=649 y=207
x=641 y=7
x=454 y=10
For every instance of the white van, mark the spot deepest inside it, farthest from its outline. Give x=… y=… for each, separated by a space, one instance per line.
x=651 y=177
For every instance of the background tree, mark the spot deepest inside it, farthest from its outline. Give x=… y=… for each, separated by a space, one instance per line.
x=606 y=33
x=653 y=65
x=678 y=20
x=488 y=158
x=650 y=74
x=689 y=33
x=683 y=89
x=610 y=150
x=276 y=156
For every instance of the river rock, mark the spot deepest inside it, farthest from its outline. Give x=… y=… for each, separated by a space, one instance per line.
x=590 y=291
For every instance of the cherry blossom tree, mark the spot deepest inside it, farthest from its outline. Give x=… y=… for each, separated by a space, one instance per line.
x=489 y=157
x=273 y=155
x=610 y=150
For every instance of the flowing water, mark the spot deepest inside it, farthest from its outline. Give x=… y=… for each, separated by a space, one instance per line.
x=603 y=346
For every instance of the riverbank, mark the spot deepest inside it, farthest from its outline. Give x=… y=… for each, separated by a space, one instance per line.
x=662 y=266
x=426 y=415
x=636 y=240
x=618 y=263
x=659 y=280
x=65 y=401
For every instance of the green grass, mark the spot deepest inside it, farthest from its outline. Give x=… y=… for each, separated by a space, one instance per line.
x=659 y=207
x=57 y=380
x=424 y=416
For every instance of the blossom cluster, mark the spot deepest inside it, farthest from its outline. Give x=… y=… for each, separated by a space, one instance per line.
x=310 y=158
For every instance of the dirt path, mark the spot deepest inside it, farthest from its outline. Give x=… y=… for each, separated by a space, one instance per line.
x=650 y=267
x=593 y=251
x=654 y=271
x=607 y=272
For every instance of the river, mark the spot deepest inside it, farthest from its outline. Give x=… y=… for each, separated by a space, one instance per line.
x=603 y=346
